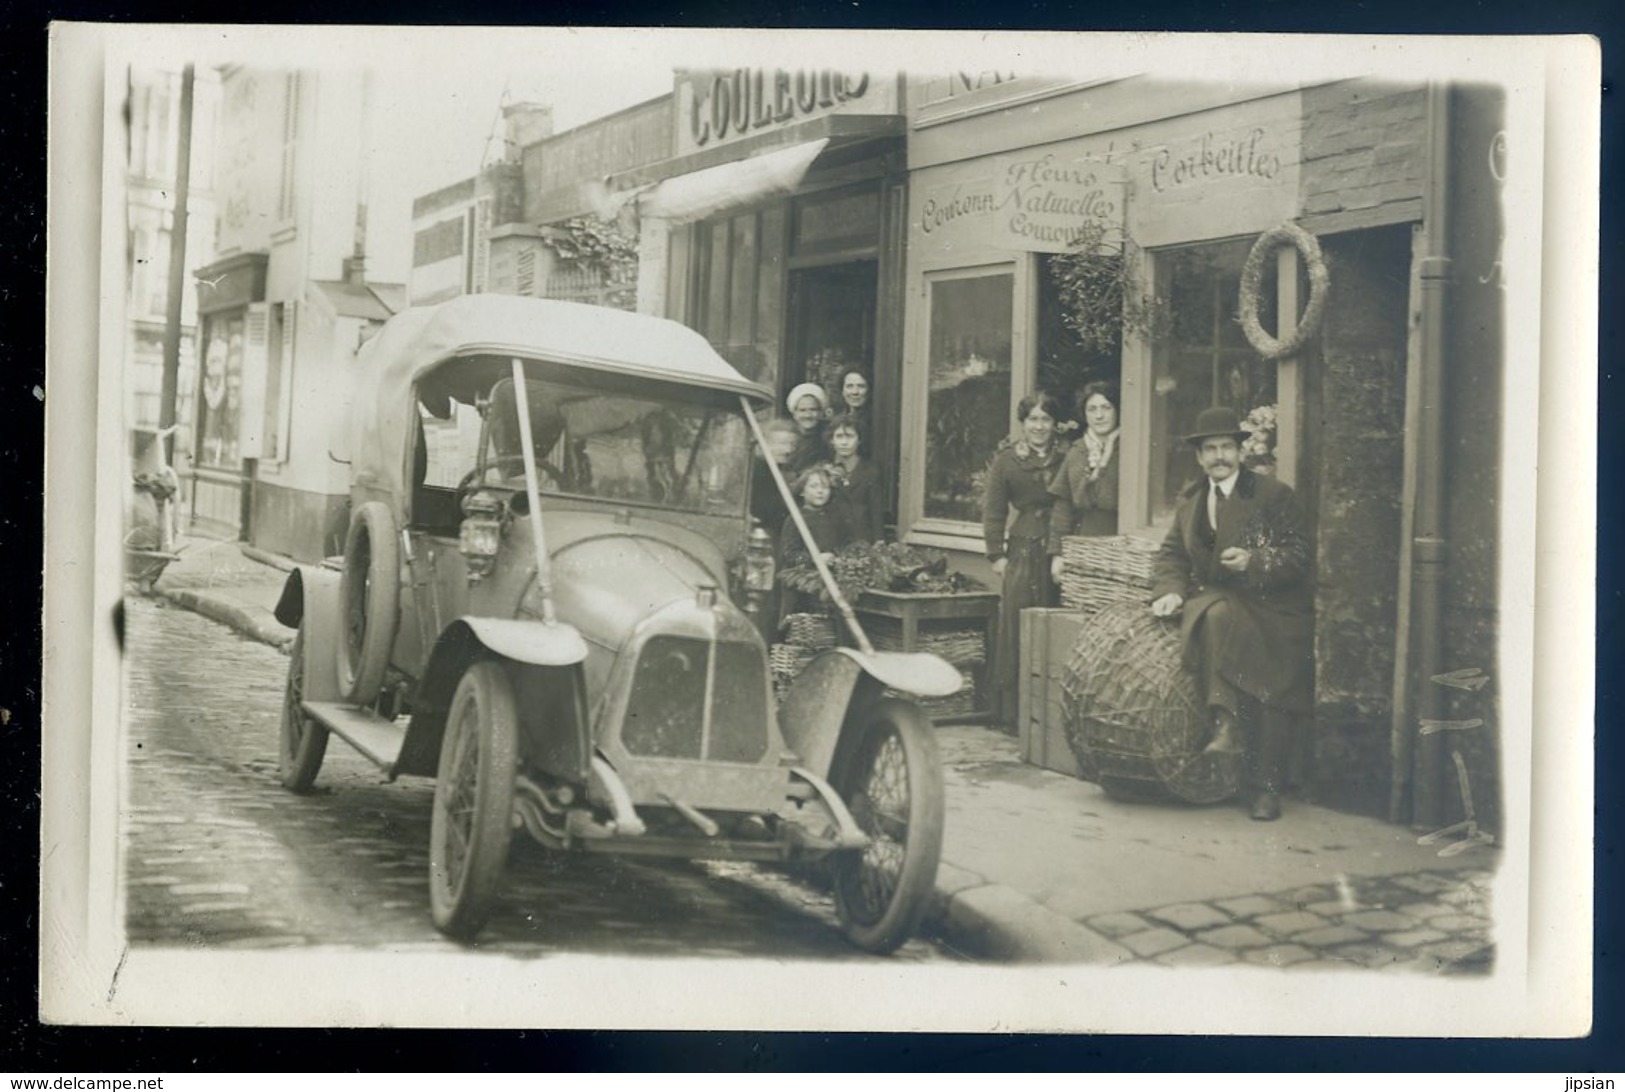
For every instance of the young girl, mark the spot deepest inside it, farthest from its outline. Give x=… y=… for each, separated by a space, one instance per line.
x=857 y=482
x=826 y=522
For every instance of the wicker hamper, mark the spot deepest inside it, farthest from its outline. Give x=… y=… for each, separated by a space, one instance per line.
x=1133 y=717
x=1099 y=570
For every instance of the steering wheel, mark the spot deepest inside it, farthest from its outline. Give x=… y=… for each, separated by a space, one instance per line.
x=510 y=464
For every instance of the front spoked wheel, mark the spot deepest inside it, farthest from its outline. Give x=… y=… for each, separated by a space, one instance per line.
x=473 y=801
x=891 y=780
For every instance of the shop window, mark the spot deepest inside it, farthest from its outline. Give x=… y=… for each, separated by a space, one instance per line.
x=1065 y=364
x=968 y=397
x=739 y=281
x=1205 y=360
x=221 y=388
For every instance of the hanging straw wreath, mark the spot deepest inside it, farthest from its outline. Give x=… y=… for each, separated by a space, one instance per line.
x=1252 y=278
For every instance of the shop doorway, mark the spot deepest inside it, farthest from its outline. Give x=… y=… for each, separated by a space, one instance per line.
x=832 y=326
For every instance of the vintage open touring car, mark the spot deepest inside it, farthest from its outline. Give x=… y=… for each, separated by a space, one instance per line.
x=546 y=603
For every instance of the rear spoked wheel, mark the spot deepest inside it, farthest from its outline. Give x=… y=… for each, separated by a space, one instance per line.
x=891 y=781
x=471 y=825
x=303 y=742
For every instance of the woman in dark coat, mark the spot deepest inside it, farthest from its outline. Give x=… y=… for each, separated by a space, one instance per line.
x=1018 y=482
x=1085 y=489
x=858 y=488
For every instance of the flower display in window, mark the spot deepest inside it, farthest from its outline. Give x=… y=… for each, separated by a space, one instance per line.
x=1258 y=450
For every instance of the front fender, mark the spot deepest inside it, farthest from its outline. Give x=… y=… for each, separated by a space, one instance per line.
x=550 y=697
x=310 y=603
x=816 y=707
x=555 y=645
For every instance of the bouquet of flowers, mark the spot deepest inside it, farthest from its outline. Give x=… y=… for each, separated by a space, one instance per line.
x=883 y=566
x=1258 y=450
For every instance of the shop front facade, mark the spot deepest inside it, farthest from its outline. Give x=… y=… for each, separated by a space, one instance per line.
x=777 y=230
x=917 y=228
x=1389 y=408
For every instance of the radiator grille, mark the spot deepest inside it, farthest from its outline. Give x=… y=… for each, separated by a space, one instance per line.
x=665 y=715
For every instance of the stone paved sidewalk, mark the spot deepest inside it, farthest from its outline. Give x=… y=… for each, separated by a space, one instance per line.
x=1421 y=921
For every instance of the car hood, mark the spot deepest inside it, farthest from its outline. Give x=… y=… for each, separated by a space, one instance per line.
x=608 y=576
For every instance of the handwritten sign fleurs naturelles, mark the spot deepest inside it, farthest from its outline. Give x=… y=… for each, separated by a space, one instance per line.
x=1031 y=203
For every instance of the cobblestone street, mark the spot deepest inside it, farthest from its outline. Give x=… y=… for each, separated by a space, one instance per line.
x=217 y=853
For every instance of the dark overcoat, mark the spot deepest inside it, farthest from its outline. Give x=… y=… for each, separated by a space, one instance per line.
x=859 y=493
x=1083 y=505
x=1272 y=603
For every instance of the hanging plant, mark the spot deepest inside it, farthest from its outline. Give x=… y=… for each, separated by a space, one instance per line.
x=590 y=245
x=1102 y=299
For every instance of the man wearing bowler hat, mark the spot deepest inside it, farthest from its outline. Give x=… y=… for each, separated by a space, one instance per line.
x=1236 y=564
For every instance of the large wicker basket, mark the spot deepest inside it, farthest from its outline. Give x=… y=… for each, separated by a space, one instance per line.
x=1133 y=716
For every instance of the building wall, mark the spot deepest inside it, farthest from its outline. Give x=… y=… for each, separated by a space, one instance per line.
x=1358 y=402
x=150 y=193
x=253 y=143
x=1364 y=151
x=468 y=237
x=1474 y=422
x=555 y=169
x=300 y=506
x=294 y=186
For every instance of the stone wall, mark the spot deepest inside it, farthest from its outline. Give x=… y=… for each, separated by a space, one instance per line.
x=1357 y=410
x=1364 y=150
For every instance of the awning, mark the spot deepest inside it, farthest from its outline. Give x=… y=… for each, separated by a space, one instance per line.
x=703 y=193
x=702 y=183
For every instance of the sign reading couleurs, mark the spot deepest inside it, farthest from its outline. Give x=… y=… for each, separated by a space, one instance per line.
x=714 y=107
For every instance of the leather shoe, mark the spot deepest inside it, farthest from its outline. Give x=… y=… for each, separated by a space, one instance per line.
x=1225 y=737
x=1266 y=807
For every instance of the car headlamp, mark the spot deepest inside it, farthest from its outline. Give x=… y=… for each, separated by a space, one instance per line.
x=480 y=536
x=759 y=567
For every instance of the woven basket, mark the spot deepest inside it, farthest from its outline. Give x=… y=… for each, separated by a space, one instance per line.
x=810 y=630
x=1132 y=714
x=786 y=662
x=1099 y=570
x=960 y=645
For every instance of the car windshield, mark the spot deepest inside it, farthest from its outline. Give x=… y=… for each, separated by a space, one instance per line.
x=644 y=449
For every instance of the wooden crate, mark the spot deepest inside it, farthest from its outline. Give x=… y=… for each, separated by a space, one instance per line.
x=905 y=617
x=1047 y=637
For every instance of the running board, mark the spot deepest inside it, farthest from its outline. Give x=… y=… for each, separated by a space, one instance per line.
x=378 y=740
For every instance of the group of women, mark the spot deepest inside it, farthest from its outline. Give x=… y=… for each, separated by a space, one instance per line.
x=821 y=454
x=1041 y=489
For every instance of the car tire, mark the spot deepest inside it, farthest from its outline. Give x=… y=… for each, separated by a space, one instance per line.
x=472 y=821
x=369 y=602
x=891 y=780
x=303 y=738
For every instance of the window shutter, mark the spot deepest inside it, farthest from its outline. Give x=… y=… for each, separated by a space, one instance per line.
x=256 y=331
x=284 y=405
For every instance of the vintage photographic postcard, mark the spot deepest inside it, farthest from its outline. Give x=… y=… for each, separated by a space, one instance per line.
x=579 y=528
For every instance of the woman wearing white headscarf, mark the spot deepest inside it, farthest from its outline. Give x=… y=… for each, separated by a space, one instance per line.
x=809 y=409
